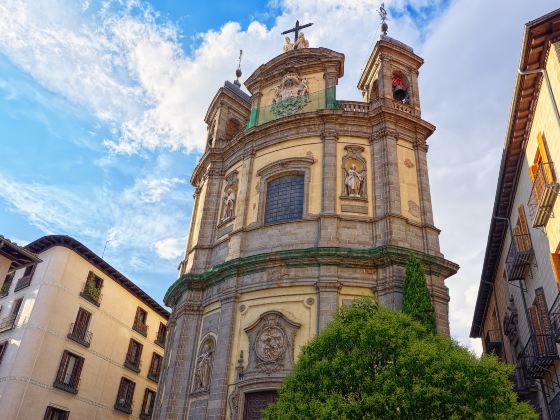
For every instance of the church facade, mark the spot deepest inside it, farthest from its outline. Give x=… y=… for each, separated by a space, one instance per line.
x=303 y=202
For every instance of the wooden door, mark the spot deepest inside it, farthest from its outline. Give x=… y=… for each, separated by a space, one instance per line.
x=255 y=402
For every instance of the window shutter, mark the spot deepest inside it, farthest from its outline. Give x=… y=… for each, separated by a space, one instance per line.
x=82 y=320
x=3 y=349
x=542 y=311
x=77 y=371
x=62 y=367
x=16 y=307
x=130 y=393
x=140 y=346
x=130 y=349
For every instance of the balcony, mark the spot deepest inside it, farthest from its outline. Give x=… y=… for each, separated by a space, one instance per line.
x=132 y=365
x=92 y=294
x=554 y=406
x=160 y=342
x=153 y=376
x=124 y=406
x=80 y=335
x=23 y=282
x=543 y=194
x=71 y=386
x=523 y=386
x=539 y=355
x=7 y=323
x=140 y=327
x=519 y=257
x=493 y=342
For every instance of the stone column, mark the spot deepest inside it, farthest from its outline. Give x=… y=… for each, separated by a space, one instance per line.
x=220 y=370
x=237 y=244
x=182 y=356
x=328 y=221
x=327 y=295
x=386 y=183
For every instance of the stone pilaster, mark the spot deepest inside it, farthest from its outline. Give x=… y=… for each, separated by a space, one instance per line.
x=182 y=354
x=243 y=204
x=327 y=295
x=387 y=201
x=220 y=370
x=328 y=223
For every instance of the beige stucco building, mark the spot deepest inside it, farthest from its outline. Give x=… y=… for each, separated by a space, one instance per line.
x=517 y=312
x=303 y=202
x=78 y=339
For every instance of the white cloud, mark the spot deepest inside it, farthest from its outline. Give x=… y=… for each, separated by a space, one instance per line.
x=129 y=70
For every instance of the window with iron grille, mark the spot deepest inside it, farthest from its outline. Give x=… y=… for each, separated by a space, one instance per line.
x=148 y=404
x=133 y=356
x=53 y=413
x=140 y=321
x=3 y=347
x=69 y=371
x=5 y=289
x=125 y=395
x=79 y=329
x=162 y=332
x=25 y=280
x=155 y=367
x=284 y=199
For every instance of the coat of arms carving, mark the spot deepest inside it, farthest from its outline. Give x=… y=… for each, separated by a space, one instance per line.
x=290 y=96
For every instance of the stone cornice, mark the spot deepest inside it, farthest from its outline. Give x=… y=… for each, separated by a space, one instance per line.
x=344 y=257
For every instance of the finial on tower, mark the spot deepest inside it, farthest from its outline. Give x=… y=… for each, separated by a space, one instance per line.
x=383 y=13
x=238 y=71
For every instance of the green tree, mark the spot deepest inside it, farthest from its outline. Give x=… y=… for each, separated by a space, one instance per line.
x=375 y=363
x=416 y=296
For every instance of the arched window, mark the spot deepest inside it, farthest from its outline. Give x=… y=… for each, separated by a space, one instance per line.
x=284 y=199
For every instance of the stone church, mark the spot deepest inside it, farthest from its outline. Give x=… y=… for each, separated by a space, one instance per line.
x=303 y=202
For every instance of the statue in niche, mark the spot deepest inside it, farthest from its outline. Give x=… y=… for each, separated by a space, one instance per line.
x=229 y=203
x=301 y=42
x=203 y=369
x=354 y=181
x=288 y=46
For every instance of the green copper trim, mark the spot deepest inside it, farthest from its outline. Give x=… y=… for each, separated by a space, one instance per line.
x=344 y=257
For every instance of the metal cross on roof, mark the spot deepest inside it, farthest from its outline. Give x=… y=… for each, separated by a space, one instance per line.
x=296 y=29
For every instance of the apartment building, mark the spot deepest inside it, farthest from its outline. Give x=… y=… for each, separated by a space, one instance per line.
x=78 y=340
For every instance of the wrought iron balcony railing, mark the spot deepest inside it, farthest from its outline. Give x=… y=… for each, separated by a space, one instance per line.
x=80 y=334
x=71 y=386
x=522 y=385
x=133 y=365
x=7 y=323
x=23 y=282
x=160 y=342
x=124 y=406
x=91 y=293
x=543 y=194
x=554 y=406
x=519 y=257
x=554 y=316
x=493 y=342
x=140 y=327
x=539 y=354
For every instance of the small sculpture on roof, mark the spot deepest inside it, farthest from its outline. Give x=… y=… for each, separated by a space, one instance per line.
x=301 y=42
x=288 y=46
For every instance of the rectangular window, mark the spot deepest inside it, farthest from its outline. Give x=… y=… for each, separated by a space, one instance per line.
x=162 y=332
x=155 y=367
x=53 y=413
x=140 y=321
x=25 y=280
x=5 y=289
x=133 y=356
x=79 y=329
x=69 y=371
x=555 y=260
x=125 y=395
x=3 y=347
x=148 y=404
x=284 y=199
x=92 y=289
x=9 y=322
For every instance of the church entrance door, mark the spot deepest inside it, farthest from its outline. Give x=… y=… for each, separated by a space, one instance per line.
x=255 y=402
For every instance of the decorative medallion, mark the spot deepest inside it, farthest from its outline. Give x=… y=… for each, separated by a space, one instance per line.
x=271 y=344
x=290 y=96
x=408 y=163
x=413 y=208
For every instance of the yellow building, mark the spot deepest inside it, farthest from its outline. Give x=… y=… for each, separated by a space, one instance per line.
x=78 y=339
x=517 y=312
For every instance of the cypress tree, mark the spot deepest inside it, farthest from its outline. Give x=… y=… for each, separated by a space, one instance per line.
x=416 y=296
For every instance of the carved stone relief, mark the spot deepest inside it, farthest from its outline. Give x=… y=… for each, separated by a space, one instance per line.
x=290 y=96
x=204 y=362
x=354 y=173
x=271 y=343
x=229 y=198
x=413 y=208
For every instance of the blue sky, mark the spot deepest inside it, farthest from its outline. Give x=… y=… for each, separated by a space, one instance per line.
x=101 y=109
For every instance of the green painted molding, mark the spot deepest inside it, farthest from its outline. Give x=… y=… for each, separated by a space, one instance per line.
x=344 y=257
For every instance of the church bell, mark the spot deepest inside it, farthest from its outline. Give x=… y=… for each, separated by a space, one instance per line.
x=399 y=93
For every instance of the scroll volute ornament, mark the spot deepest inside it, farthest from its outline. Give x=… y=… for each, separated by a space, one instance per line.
x=271 y=343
